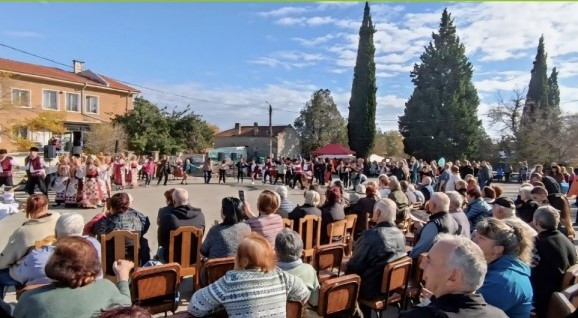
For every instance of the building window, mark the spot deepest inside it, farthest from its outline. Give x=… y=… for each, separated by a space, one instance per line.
x=72 y=102
x=20 y=132
x=50 y=100
x=20 y=98
x=91 y=104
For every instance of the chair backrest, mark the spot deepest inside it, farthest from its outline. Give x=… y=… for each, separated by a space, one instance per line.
x=185 y=248
x=49 y=240
x=570 y=277
x=395 y=275
x=295 y=309
x=156 y=287
x=216 y=268
x=120 y=243
x=310 y=232
x=328 y=257
x=571 y=293
x=288 y=223
x=418 y=272
x=336 y=231
x=338 y=295
x=559 y=306
x=351 y=220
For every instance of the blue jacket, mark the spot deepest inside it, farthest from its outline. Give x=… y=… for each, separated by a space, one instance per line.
x=476 y=211
x=507 y=286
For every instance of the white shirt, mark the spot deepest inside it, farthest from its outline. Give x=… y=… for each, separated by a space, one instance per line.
x=384 y=192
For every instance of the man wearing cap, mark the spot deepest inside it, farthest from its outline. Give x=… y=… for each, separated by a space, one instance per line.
x=35 y=166
x=504 y=208
x=7 y=164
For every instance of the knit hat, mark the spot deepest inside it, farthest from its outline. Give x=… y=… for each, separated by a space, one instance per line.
x=551 y=185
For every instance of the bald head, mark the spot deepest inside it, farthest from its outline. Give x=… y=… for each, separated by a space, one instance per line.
x=180 y=197
x=439 y=202
x=384 y=210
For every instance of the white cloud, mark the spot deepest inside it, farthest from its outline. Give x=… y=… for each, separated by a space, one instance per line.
x=315 y=41
x=288 y=59
x=503 y=81
x=291 y=21
x=21 y=34
x=316 y=21
x=284 y=11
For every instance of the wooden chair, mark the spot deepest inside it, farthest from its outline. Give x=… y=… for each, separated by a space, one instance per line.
x=288 y=223
x=326 y=259
x=214 y=269
x=185 y=249
x=49 y=240
x=351 y=221
x=310 y=232
x=20 y=291
x=336 y=231
x=338 y=295
x=393 y=286
x=571 y=293
x=296 y=309
x=415 y=282
x=570 y=277
x=119 y=241
x=559 y=306
x=156 y=288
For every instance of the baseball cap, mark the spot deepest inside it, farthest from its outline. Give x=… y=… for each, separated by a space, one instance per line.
x=505 y=202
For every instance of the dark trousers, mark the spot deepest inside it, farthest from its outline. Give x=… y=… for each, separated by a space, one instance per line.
x=320 y=175
x=240 y=176
x=207 y=176
x=7 y=181
x=265 y=175
x=279 y=176
x=34 y=181
x=148 y=178
x=6 y=280
x=164 y=175
x=345 y=178
x=507 y=174
x=296 y=177
x=222 y=176
x=288 y=178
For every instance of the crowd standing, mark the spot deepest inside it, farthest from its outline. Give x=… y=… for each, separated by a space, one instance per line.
x=481 y=254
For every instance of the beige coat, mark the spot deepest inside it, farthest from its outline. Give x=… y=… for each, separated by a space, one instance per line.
x=24 y=238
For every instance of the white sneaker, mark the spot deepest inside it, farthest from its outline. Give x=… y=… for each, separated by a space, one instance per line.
x=252 y=183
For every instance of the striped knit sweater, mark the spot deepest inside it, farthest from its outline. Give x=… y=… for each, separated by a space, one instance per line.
x=250 y=293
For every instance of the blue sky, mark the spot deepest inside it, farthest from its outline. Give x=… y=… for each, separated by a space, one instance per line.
x=246 y=54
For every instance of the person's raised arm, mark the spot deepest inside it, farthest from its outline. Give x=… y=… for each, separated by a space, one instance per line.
x=247 y=209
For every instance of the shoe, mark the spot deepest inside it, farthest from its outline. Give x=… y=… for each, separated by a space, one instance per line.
x=252 y=183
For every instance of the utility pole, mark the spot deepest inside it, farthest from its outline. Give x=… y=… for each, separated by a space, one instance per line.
x=270 y=131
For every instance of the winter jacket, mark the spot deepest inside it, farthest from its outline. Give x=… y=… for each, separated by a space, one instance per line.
x=507 y=286
x=476 y=211
x=455 y=306
x=184 y=215
x=441 y=222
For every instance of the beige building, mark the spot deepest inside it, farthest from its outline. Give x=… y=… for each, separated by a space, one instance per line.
x=81 y=98
x=256 y=140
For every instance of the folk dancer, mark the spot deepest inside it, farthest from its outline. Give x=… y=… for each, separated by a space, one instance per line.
x=7 y=164
x=35 y=167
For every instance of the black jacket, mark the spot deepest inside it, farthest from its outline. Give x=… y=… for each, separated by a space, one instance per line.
x=525 y=210
x=554 y=254
x=456 y=305
x=330 y=214
x=184 y=215
x=376 y=248
x=300 y=211
x=362 y=208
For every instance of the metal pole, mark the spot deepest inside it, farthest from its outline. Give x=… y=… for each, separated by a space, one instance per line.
x=270 y=131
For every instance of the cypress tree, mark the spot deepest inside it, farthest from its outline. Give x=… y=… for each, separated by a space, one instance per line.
x=553 y=91
x=361 y=120
x=440 y=117
x=537 y=97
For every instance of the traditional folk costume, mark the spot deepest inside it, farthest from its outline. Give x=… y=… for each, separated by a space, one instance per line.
x=119 y=174
x=6 y=166
x=132 y=176
x=104 y=180
x=92 y=192
x=60 y=183
x=75 y=185
x=35 y=168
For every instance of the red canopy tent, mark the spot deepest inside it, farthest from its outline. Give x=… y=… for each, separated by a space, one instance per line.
x=333 y=151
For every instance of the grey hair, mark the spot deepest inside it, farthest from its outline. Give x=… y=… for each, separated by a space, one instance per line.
x=281 y=191
x=526 y=192
x=288 y=246
x=394 y=183
x=180 y=197
x=547 y=217
x=466 y=257
x=388 y=209
x=69 y=224
x=441 y=201
x=312 y=198
x=455 y=198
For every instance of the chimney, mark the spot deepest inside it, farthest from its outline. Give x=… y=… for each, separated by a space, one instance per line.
x=238 y=129
x=78 y=66
x=255 y=129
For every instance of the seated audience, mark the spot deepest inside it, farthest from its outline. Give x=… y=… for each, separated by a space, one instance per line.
x=426 y=188
x=462 y=187
x=384 y=186
x=310 y=207
x=409 y=193
x=488 y=194
x=169 y=207
x=507 y=248
x=376 y=248
x=76 y=292
x=224 y=238
x=126 y=312
x=497 y=190
x=39 y=225
x=289 y=249
x=527 y=206
x=255 y=288
x=456 y=203
x=440 y=221
x=503 y=208
x=286 y=205
x=364 y=209
x=560 y=202
x=31 y=271
x=331 y=211
x=268 y=223
x=477 y=208
x=345 y=199
x=183 y=214
x=454 y=269
x=396 y=195
x=359 y=194
x=554 y=253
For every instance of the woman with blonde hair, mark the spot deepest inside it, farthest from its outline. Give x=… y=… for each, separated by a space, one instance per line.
x=92 y=195
x=255 y=288
x=267 y=223
x=507 y=247
x=104 y=175
x=132 y=175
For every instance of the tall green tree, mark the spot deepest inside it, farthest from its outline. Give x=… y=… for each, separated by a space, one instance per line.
x=388 y=143
x=553 y=92
x=537 y=97
x=320 y=122
x=361 y=121
x=440 y=117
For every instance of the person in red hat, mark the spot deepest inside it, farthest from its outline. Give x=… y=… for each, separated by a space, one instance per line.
x=7 y=164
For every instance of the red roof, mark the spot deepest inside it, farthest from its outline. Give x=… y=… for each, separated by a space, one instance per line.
x=248 y=131
x=56 y=73
x=333 y=149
